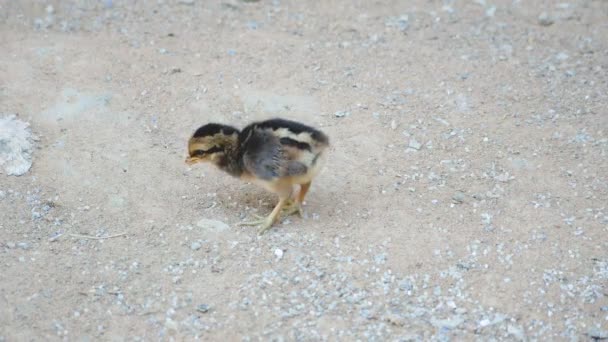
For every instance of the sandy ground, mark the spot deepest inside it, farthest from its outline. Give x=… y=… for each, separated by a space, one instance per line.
x=465 y=197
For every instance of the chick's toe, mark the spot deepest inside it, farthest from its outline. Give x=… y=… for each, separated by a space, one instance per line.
x=292 y=207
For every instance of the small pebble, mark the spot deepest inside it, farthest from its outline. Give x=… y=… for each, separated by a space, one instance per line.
x=597 y=334
x=204 y=308
x=414 y=144
x=341 y=114
x=544 y=19
x=458 y=197
x=24 y=245
x=195 y=246
x=278 y=253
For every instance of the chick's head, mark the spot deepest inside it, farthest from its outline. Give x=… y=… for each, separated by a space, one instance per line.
x=211 y=143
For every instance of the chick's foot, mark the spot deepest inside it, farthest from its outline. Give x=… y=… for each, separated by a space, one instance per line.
x=264 y=223
x=292 y=207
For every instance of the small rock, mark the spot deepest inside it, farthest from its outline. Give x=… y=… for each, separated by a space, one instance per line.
x=486 y=220
x=414 y=144
x=16 y=146
x=204 y=308
x=504 y=177
x=10 y=244
x=491 y=11
x=55 y=236
x=458 y=197
x=24 y=245
x=403 y=22
x=195 y=246
x=562 y=56
x=212 y=226
x=380 y=258
x=186 y=2
x=597 y=334
x=448 y=323
x=278 y=253
x=396 y=320
x=406 y=285
x=462 y=103
x=544 y=19
x=171 y=324
x=341 y=114
x=516 y=332
x=366 y=313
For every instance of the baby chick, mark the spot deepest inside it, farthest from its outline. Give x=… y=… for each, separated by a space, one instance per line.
x=275 y=154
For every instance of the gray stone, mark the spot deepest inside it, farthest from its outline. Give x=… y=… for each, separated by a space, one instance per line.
x=203 y=308
x=16 y=145
x=341 y=114
x=24 y=245
x=448 y=323
x=195 y=246
x=212 y=226
x=414 y=144
x=597 y=334
x=544 y=19
x=516 y=332
x=380 y=258
x=402 y=22
x=458 y=197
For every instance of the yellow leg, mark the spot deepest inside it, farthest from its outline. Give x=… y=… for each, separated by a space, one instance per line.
x=267 y=222
x=292 y=206
x=303 y=191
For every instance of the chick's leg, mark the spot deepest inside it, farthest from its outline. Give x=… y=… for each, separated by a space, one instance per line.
x=273 y=217
x=267 y=222
x=303 y=191
x=292 y=206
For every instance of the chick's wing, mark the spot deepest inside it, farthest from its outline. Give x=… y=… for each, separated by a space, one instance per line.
x=266 y=158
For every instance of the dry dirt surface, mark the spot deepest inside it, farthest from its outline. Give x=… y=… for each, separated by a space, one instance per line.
x=465 y=195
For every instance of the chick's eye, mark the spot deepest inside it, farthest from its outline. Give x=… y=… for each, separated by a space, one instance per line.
x=214 y=149
x=202 y=153
x=198 y=153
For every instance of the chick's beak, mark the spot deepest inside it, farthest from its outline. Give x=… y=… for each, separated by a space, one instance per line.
x=192 y=160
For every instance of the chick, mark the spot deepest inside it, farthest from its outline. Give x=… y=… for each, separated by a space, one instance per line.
x=276 y=154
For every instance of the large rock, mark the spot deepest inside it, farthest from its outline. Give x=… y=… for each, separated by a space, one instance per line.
x=15 y=145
